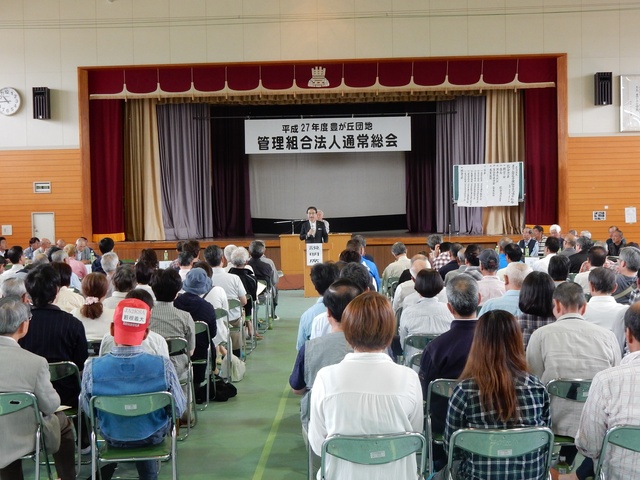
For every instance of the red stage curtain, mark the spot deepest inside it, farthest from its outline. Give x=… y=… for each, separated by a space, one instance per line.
x=541 y=154
x=107 y=175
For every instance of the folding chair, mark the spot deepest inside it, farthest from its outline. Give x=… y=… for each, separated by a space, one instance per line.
x=503 y=444
x=203 y=329
x=576 y=390
x=179 y=346
x=373 y=449
x=442 y=387
x=265 y=299
x=132 y=406
x=418 y=341
x=14 y=402
x=239 y=328
x=222 y=313
x=388 y=286
x=58 y=371
x=623 y=436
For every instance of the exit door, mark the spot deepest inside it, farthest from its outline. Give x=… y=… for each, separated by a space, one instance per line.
x=43 y=225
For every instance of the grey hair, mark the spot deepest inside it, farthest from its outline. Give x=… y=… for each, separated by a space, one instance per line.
x=398 y=248
x=239 y=257
x=256 y=248
x=59 y=256
x=570 y=295
x=228 y=250
x=109 y=262
x=631 y=255
x=13 y=312
x=586 y=233
x=13 y=287
x=517 y=272
x=462 y=294
x=40 y=259
x=433 y=240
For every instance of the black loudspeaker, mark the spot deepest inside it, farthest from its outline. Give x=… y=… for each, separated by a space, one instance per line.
x=603 y=88
x=41 y=103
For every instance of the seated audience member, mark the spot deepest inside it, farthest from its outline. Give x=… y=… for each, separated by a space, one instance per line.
x=326 y=350
x=602 y=309
x=628 y=266
x=76 y=266
x=434 y=242
x=583 y=244
x=406 y=274
x=596 y=256
x=514 y=275
x=169 y=321
x=399 y=265
x=239 y=260
x=358 y=274
x=570 y=347
x=453 y=264
x=322 y=276
x=427 y=315
x=231 y=284
x=67 y=299
x=3 y=262
x=144 y=273
x=617 y=243
x=23 y=371
x=190 y=246
x=105 y=245
x=14 y=287
x=185 y=259
x=554 y=231
x=502 y=243
x=14 y=255
x=60 y=256
x=124 y=280
x=512 y=253
x=119 y=373
x=34 y=244
x=366 y=393
x=153 y=343
x=446 y=356
x=196 y=284
x=54 y=334
x=497 y=391
x=45 y=245
x=528 y=244
x=535 y=303
x=613 y=401
x=471 y=264
x=95 y=317
x=461 y=266
x=264 y=269
x=150 y=257
x=541 y=238
x=358 y=244
x=228 y=250
x=218 y=299
x=109 y=263
x=60 y=243
x=551 y=249
x=559 y=268
x=569 y=244
x=490 y=286
x=179 y=248
x=404 y=289
x=323 y=220
x=84 y=253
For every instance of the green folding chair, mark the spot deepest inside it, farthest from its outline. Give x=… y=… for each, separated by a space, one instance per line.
x=203 y=329
x=503 y=444
x=374 y=449
x=418 y=341
x=15 y=402
x=442 y=387
x=224 y=314
x=623 y=436
x=132 y=406
x=238 y=328
x=576 y=390
x=179 y=346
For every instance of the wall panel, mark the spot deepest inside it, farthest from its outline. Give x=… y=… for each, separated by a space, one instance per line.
x=602 y=171
x=60 y=167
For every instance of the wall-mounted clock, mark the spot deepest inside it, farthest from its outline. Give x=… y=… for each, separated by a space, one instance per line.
x=9 y=101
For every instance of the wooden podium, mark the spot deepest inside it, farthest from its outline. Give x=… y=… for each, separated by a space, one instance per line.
x=293 y=258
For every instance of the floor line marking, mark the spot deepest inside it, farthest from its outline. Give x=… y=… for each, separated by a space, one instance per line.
x=268 y=444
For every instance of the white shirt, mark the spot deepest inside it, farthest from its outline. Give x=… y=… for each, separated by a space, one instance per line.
x=490 y=287
x=364 y=394
x=402 y=291
x=606 y=312
x=115 y=298
x=68 y=300
x=154 y=344
x=320 y=326
x=232 y=286
x=95 y=328
x=614 y=399
x=427 y=316
x=542 y=265
x=582 y=279
x=218 y=298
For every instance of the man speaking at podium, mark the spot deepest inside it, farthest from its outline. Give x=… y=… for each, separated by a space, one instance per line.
x=313 y=230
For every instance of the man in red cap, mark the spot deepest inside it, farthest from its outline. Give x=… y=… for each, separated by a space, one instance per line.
x=126 y=370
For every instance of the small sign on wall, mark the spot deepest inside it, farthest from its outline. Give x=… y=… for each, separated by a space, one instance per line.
x=41 y=187
x=314 y=253
x=599 y=215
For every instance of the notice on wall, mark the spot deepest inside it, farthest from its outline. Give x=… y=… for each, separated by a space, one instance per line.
x=488 y=185
x=323 y=135
x=314 y=253
x=630 y=215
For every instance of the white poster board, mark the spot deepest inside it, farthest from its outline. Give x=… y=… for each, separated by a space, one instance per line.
x=488 y=185
x=314 y=253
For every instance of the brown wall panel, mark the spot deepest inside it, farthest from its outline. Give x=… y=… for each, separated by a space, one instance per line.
x=602 y=171
x=60 y=167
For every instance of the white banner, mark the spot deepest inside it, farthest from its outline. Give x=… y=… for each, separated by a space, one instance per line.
x=491 y=184
x=321 y=135
x=314 y=253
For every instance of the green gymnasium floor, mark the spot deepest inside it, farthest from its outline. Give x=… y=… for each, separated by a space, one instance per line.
x=256 y=435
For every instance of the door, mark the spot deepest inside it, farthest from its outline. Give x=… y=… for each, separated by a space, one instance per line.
x=43 y=225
